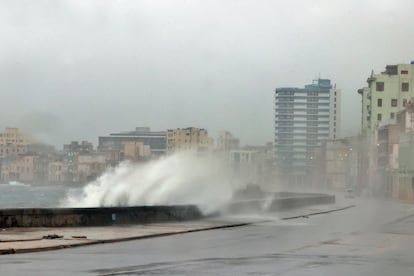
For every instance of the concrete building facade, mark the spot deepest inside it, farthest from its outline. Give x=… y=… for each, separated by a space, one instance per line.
x=226 y=141
x=365 y=104
x=26 y=168
x=56 y=172
x=90 y=167
x=386 y=182
x=304 y=117
x=386 y=94
x=136 y=151
x=13 y=142
x=405 y=120
x=190 y=139
x=156 y=140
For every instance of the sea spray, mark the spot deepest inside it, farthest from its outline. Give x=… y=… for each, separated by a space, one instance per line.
x=182 y=178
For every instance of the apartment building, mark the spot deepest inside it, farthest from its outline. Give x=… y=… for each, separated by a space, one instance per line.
x=387 y=93
x=136 y=151
x=191 y=138
x=113 y=143
x=90 y=166
x=304 y=117
x=13 y=142
x=26 y=168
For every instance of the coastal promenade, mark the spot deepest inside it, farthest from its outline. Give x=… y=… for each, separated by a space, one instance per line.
x=32 y=239
x=350 y=237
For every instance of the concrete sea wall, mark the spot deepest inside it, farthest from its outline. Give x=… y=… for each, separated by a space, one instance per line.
x=281 y=201
x=72 y=217
x=66 y=217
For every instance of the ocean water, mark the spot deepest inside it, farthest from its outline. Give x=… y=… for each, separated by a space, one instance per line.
x=19 y=195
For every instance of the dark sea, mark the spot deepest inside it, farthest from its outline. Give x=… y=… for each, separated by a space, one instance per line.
x=19 y=195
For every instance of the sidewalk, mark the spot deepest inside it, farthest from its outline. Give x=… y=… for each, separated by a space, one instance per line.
x=23 y=240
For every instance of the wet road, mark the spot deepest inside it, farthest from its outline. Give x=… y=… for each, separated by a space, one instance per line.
x=374 y=238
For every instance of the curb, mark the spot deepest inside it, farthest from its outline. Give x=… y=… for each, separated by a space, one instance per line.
x=319 y=213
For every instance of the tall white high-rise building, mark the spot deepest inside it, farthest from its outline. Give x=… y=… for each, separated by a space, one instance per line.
x=304 y=117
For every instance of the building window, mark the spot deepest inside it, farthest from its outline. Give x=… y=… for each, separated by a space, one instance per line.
x=404 y=102
x=312 y=105
x=394 y=102
x=379 y=102
x=404 y=72
x=392 y=115
x=379 y=117
x=380 y=86
x=405 y=86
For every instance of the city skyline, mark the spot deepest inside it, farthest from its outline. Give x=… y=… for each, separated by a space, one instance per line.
x=71 y=70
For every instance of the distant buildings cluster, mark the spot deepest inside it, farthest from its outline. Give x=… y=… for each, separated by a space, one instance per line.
x=308 y=149
x=388 y=132
x=23 y=160
x=379 y=161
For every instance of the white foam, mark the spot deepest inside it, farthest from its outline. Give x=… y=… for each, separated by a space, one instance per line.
x=182 y=178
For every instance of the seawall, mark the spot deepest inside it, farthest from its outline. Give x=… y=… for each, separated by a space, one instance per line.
x=106 y=216
x=66 y=217
x=281 y=201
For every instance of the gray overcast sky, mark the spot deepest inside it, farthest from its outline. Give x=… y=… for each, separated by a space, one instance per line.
x=79 y=69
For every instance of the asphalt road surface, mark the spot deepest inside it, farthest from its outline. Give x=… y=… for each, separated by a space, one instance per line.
x=373 y=238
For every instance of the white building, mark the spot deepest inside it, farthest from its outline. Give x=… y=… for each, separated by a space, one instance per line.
x=226 y=141
x=304 y=117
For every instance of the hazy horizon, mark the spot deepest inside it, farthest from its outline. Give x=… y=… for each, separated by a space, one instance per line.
x=76 y=70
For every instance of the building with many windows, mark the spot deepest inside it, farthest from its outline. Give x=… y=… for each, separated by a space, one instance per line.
x=386 y=94
x=304 y=117
x=188 y=139
x=156 y=140
x=13 y=142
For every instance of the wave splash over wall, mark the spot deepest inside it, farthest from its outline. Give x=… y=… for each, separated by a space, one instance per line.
x=182 y=178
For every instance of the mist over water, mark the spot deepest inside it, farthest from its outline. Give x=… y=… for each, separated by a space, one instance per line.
x=182 y=178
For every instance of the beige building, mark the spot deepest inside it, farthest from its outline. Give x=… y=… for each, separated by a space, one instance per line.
x=56 y=172
x=25 y=168
x=90 y=166
x=17 y=168
x=13 y=142
x=190 y=139
x=136 y=151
